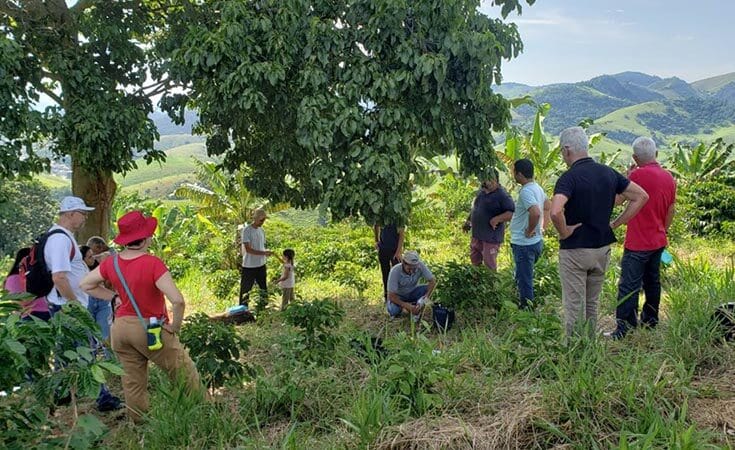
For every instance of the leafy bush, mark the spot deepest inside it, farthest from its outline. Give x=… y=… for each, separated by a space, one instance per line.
x=25 y=347
x=26 y=210
x=317 y=321
x=709 y=208
x=464 y=286
x=457 y=195
x=413 y=374
x=352 y=275
x=216 y=349
x=224 y=283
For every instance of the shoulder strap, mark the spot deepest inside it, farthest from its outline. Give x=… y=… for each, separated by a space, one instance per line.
x=127 y=290
x=57 y=231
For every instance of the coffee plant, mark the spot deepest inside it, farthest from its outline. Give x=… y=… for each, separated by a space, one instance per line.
x=413 y=373
x=216 y=349
x=465 y=287
x=317 y=322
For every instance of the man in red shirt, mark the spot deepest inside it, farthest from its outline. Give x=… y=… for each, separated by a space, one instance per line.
x=645 y=240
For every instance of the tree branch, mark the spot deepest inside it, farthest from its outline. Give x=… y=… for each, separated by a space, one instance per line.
x=50 y=76
x=54 y=96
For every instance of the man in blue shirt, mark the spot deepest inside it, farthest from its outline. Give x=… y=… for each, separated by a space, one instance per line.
x=526 y=236
x=584 y=197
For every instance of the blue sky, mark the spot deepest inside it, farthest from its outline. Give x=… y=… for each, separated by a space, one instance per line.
x=574 y=40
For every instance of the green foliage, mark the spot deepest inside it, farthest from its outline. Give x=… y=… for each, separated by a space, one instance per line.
x=26 y=211
x=709 y=207
x=465 y=287
x=689 y=116
x=702 y=162
x=25 y=347
x=224 y=283
x=457 y=195
x=344 y=95
x=317 y=321
x=221 y=198
x=93 y=68
x=216 y=349
x=352 y=275
x=414 y=373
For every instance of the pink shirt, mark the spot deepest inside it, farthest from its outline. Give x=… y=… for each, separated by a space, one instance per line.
x=14 y=286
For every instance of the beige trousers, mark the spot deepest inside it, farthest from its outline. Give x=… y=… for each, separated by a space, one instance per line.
x=287 y=297
x=582 y=272
x=131 y=346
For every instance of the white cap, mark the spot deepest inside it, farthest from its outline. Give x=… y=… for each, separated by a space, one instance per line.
x=74 y=204
x=153 y=321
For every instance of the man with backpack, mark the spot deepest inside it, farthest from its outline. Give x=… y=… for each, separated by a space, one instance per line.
x=66 y=263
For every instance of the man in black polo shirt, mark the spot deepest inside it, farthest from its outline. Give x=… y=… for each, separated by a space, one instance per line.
x=584 y=197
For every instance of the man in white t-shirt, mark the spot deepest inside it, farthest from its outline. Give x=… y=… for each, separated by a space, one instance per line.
x=63 y=257
x=67 y=266
x=254 y=256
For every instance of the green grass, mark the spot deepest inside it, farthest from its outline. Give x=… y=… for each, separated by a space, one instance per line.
x=510 y=382
x=53 y=182
x=177 y=167
x=625 y=119
x=726 y=133
x=170 y=141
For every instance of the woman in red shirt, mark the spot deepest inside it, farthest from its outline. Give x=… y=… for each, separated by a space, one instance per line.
x=149 y=281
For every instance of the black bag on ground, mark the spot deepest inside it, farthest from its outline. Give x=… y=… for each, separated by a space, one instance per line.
x=724 y=316
x=34 y=273
x=443 y=317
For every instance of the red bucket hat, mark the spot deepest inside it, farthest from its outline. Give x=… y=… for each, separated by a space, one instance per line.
x=134 y=226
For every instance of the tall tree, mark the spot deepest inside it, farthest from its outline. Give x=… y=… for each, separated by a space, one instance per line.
x=89 y=61
x=334 y=100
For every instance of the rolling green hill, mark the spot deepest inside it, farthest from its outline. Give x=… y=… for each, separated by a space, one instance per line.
x=631 y=104
x=714 y=84
x=159 y=180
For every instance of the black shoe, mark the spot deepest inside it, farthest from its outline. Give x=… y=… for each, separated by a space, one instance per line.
x=614 y=335
x=109 y=403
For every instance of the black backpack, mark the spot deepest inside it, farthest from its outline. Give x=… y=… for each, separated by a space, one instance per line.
x=34 y=273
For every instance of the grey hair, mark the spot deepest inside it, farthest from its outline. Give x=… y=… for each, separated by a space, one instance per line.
x=96 y=240
x=644 y=148
x=575 y=138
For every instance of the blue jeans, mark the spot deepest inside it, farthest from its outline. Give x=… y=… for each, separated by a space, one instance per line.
x=638 y=269
x=101 y=311
x=412 y=297
x=525 y=257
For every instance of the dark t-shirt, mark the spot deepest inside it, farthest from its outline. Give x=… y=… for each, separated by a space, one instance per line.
x=486 y=207
x=388 y=238
x=590 y=188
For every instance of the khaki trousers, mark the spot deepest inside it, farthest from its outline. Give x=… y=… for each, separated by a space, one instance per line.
x=131 y=346
x=582 y=272
x=287 y=297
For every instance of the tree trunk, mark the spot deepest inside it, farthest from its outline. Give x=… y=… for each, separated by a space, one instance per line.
x=97 y=188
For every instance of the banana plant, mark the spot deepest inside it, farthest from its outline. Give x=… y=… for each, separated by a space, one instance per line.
x=546 y=157
x=702 y=162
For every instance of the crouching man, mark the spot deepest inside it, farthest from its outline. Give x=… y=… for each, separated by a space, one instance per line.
x=404 y=290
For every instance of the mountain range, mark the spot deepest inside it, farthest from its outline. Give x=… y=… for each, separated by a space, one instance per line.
x=630 y=104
